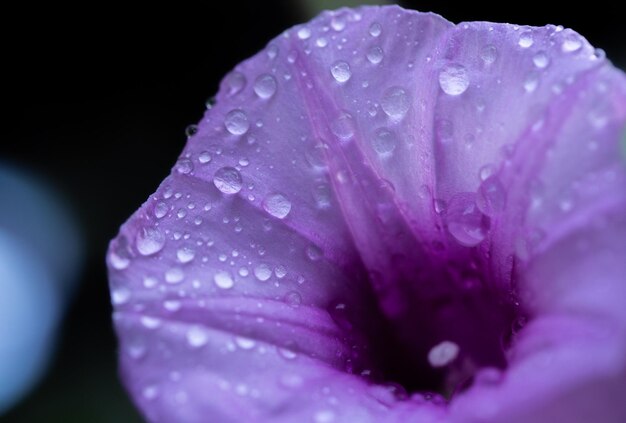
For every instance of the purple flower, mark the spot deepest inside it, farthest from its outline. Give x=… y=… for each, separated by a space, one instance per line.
x=388 y=218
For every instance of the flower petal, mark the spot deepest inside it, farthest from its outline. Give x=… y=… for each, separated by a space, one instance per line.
x=241 y=287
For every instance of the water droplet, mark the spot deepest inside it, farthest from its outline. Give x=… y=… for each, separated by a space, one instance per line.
x=395 y=102
x=236 y=122
x=185 y=254
x=465 y=221
x=375 y=55
x=184 y=166
x=314 y=253
x=197 y=337
x=262 y=272
x=375 y=29
x=337 y=24
x=293 y=299
x=491 y=196
x=235 y=82
x=280 y=271
x=571 y=43
x=277 y=205
x=245 y=343
x=384 y=141
x=149 y=241
x=150 y=282
x=316 y=156
x=172 y=305
x=486 y=171
x=322 y=196
x=120 y=296
x=489 y=54
x=453 y=79
x=541 y=59
x=287 y=354
x=531 y=82
x=150 y=322
x=160 y=210
x=304 y=33
x=341 y=71
x=191 y=130
x=228 y=180
x=174 y=275
x=343 y=126
x=223 y=280
x=443 y=354
x=525 y=39
x=265 y=86
x=321 y=42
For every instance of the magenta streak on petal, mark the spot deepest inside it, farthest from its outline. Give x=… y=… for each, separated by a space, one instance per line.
x=382 y=202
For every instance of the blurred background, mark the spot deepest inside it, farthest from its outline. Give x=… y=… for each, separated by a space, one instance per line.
x=98 y=97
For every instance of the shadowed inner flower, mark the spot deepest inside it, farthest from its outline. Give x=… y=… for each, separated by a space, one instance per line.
x=449 y=321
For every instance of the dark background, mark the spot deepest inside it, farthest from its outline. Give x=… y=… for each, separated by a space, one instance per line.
x=98 y=99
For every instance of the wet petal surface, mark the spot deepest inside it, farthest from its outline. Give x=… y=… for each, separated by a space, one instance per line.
x=381 y=198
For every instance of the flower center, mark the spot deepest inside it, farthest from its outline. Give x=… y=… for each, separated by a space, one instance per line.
x=451 y=320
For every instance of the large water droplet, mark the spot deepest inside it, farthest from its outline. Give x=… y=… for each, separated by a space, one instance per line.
x=384 y=141
x=375 y=55
x=228 y=180
x=343 y=126
x=245 y=343
x=571 y=43
x=341 y=71
x=541 y=59
x=465 y=221
x=185 y=254
x=174 y=275
x=120 y=296
x=525 y=39
x=277 y=205
x=443 y=354
x=453 y=79
x=197 y=337
x=149 y=241
x=262 y=272
x=293 y=299
x=491 y=196
x=235 y=82
x=236 y=122
x=395 y=102
x=184 y=166
x=265 y=86
x=304 y=33
x=489 y=54
x=223 y=280
x=375 y=29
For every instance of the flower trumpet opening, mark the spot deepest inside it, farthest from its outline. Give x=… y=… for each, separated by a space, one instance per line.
x=451 y=322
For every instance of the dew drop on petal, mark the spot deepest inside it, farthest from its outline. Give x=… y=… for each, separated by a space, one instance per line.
x=465 y=221
x=541 y=59
x=265 y=86
x=223 y=280
x=395 y=102
x=160 y=210
x=277 y=205
x=304 y=33
x=184 y=166
x=343 y=127
x=293 y=299
x=491 y=196
x=443 y=354
x=236 y=122
x=571 y=43
x=375 y=55
x=235 y=82
x=375 y=29
x=341 y=71
x=150 y=322
x=525 y=39
x=384 y=141
x=120 y=296
x=453 y=79
x=245 y=343
x=197 y=337
x=149 y=241
x=228 y=180
x=262 y=272
x=174 y=275
x=185 y=254
x=489 y=54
